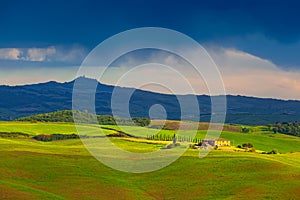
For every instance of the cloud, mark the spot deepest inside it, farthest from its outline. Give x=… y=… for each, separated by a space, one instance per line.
x=26 y=54
x=282 y=54
x=10 y=54
x=39 y=54
x=247 y=74
x=242 y=73
x=71 y=54
x=65 y=54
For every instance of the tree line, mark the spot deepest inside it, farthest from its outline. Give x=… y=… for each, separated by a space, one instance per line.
x=289 y=128
x=84 y=117
x=53 y=137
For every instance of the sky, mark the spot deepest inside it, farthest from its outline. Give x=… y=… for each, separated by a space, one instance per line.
x=255 y=44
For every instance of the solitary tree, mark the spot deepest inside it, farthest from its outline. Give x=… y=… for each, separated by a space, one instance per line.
x=174 y=139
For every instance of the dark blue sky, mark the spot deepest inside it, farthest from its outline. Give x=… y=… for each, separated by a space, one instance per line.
x=268 y=29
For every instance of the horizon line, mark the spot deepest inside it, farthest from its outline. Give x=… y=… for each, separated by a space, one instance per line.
x=62 y=82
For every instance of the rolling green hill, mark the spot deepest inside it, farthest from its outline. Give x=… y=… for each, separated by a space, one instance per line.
x=260 y=138
x=65 y=170
x=83 y=117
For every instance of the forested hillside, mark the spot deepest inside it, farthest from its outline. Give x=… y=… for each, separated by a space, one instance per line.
x=21 y=101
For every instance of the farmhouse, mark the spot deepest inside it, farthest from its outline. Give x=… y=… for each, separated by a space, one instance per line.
x=216 y=142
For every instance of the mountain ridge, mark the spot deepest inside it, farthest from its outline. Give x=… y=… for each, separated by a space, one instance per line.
x=31 y=99
x=58 y=82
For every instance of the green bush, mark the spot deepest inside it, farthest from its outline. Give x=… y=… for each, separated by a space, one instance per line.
x=53 y=137
x=251 y=150
x=247 y=145
x=13 y=134
x=245 y=130
x=274 y=151
x=141 y=121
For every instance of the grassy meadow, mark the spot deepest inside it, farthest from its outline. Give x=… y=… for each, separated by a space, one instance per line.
x=64 y=169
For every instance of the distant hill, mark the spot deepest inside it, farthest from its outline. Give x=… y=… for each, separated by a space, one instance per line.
x=85 y=117
x=21 y=101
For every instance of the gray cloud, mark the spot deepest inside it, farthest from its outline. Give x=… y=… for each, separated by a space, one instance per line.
x=70 y=54
x=10 y=54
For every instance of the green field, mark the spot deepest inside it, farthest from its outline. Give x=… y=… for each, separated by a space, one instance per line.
x=65 y=169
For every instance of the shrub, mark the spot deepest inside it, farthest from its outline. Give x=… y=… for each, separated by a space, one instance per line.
x=247 y=145
x=13 y=134
x=48 y=138
x=141 y=121
x=245 y=130
x=274 y=151
x=251 y=150
x=42 y=137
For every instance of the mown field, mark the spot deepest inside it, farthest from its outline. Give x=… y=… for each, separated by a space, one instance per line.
x=65 y=169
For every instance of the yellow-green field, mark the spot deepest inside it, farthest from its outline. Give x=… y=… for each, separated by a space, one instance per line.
x=65 y=170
